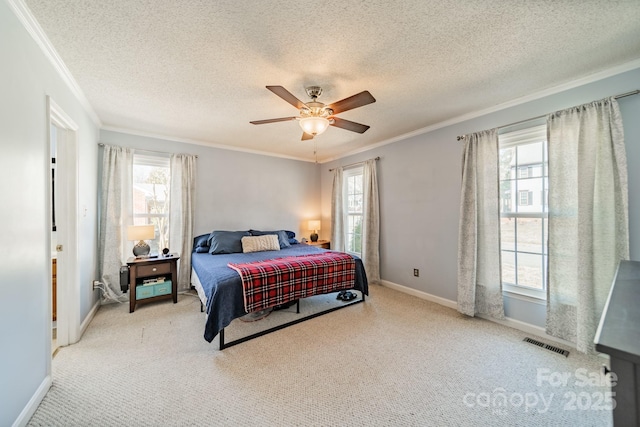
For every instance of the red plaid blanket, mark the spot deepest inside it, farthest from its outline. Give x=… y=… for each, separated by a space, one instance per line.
x=278 y=281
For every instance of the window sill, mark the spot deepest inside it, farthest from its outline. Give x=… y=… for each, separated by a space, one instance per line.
x=534 y=296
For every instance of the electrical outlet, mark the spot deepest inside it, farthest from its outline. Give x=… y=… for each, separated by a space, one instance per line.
x=94 y=284
x=416 y=272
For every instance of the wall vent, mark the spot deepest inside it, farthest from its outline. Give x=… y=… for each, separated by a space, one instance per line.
x=555 y=349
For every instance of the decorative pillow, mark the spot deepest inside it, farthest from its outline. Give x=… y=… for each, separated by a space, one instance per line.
x=226 y=242
x=200 y=244
x=283 y=237
x=266 y=242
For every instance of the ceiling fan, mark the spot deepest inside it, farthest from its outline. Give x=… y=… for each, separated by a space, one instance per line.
x=315 y=116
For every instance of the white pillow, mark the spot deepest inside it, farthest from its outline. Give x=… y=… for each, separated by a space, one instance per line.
x=267 y=242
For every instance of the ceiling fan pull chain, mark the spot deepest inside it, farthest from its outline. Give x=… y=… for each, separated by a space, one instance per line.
x=315 y=149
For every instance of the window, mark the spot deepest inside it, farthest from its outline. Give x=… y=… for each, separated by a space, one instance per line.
x=354 y=198
x=151 y=178
x=523 y=221
x=525 y=198
x=524 y=172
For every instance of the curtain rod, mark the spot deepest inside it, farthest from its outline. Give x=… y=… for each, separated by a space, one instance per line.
x=356 y=163
x=622 y=95
x=101 y=144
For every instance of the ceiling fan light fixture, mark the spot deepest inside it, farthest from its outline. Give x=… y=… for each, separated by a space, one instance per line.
x=314 y=125
x=315 y=117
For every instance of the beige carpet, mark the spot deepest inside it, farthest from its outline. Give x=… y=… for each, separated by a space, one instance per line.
x=394 y=360
x=245 y=327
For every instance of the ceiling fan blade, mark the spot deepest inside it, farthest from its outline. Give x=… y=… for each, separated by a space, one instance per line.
x=355 y=101
x=306 y=136
x=287 y=96
x=349 y=125
x=282 y=119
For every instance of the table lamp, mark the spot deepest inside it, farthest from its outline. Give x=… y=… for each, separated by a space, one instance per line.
x=315 y=226
x=141 y=233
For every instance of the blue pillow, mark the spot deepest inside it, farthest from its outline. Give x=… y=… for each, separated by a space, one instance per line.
x=200 y=244
x=292 y=237
x=283 y=237
x=226 y=242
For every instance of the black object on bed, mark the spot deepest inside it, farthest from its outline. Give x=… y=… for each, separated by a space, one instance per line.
x=220 y=287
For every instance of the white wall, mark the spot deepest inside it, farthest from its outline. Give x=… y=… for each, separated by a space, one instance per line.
x=419 y=182
x=237 y=190
x=26 y=78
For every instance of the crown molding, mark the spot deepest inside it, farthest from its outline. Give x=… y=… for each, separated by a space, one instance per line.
x=203 y=143
x=32 y=26
x=610 y=72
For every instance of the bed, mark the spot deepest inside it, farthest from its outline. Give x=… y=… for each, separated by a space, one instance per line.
x=220 y=287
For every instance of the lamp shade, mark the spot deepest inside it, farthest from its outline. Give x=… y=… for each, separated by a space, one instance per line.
x=314 y=125
x=314 y=225
x=140 y=232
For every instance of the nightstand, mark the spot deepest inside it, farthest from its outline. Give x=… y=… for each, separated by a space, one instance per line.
x=324 y=244
x=152 y=279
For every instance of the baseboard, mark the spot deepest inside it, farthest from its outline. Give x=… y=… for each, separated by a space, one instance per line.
x=529 y=329
x=420 y=294
x=33 y=403
x=85 y=323
x=510 y=322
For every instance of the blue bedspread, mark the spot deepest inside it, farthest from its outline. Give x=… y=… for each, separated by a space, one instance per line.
x=223 y=286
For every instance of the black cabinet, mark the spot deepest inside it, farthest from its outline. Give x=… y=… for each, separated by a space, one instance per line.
x=618 y=336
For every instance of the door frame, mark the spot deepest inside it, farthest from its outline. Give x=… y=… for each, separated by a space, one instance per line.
x=68 y=283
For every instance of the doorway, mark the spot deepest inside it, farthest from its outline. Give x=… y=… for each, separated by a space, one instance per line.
x=64 y=287
x=53 y=138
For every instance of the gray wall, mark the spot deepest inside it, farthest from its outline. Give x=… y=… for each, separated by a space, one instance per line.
x=419 y=183
x=237 y=190
x=26 y=78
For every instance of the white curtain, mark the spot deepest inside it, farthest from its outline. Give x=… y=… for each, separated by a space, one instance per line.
x=181 y=213
x=371 y=222
x=115 y=214
x=588 y=216
x=337 y=211
x=479 y=278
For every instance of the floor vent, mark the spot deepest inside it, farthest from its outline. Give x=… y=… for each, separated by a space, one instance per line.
x=555 y=349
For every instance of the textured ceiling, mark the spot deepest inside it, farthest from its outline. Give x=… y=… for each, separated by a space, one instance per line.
x=197 y=70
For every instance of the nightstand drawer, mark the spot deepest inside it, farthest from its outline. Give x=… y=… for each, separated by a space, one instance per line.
x=162 y=288
x=154 y=269
x=143 y=292
x=148 y=291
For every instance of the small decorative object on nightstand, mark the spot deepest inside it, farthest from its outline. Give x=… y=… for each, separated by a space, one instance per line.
x=141 y=233
x=152 y=279
x=315 y=226
x=324 y=244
